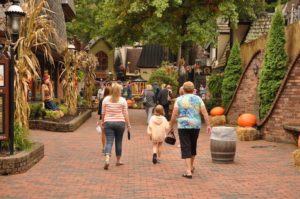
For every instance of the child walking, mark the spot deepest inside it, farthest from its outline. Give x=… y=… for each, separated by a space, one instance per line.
x=157 y=130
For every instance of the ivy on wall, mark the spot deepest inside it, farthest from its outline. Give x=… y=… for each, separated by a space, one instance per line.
x=274 y=64
x=232 y=74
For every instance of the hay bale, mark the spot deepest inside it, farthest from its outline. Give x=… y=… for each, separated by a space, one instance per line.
x=218 y=120
x=247 y=133
x=296 y=155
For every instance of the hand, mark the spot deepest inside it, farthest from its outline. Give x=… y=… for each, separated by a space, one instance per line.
x=209 y=129
x=128 y=126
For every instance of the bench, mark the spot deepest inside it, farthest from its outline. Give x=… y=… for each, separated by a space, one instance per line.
x=294 y=130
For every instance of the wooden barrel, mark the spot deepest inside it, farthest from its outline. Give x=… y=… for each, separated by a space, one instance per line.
x=223 y=144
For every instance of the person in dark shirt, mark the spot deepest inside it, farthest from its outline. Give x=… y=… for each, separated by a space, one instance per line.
x=106 y=93
x=163 y=99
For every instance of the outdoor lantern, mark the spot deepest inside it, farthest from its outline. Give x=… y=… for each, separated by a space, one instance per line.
x=14 y=15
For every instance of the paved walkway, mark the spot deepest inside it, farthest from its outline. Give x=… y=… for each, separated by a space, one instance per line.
x=73 y=168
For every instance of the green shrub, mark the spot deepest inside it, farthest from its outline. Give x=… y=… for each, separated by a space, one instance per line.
x=274 y=64
x=63 y=108
x=162 y=77
x=232 y=74
x=215 y=85
x=21 y=140
x=35 y=109
x=211 y=103
x=52 y=115
x=84 y=103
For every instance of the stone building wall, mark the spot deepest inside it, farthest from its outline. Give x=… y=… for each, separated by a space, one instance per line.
x=286 y=109
x=246 y=99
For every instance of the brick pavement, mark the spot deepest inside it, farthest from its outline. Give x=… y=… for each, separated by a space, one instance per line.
x=73 y=168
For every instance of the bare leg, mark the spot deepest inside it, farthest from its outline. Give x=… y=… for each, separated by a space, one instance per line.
x=188 y=166
x=155 y=149
x=103 y=139
x=159 y=147
x=192 y=163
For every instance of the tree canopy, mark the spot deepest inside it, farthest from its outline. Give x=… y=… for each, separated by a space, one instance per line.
x=167 y=22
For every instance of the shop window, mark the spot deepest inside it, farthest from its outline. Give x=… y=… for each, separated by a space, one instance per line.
x=103 y=60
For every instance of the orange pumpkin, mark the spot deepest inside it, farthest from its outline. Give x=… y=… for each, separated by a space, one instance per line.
x=217 y=111
x=247 y=120
x=130 y=103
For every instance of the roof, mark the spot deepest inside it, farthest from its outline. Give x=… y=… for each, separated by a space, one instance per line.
x=259 y=28
x=151 y=56
x=94 y=41
x=133 y=56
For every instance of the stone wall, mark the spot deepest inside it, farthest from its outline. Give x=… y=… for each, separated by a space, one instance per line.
x=22 y=161
x=286 y=109
x=246 y=99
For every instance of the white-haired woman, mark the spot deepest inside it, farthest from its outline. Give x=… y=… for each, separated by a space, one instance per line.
x=187 y=111
x=114 y=118
x=149 y=101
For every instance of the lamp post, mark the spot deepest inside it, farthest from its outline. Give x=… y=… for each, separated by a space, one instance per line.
x=14 y=15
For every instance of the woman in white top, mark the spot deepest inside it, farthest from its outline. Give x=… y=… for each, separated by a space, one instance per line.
x=114 y=118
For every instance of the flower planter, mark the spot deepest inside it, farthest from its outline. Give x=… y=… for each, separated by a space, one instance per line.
x=22 y=160
x=61 y=127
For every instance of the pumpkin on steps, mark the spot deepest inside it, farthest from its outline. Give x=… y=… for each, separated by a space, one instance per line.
x=217 y=111
x=247 y=120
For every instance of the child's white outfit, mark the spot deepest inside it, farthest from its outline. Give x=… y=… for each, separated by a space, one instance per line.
x=158 y=127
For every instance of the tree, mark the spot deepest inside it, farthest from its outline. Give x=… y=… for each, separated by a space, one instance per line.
x=86 y=25
x=171 y=23
x=164 y=75
x=232 y=74
x=274 y=64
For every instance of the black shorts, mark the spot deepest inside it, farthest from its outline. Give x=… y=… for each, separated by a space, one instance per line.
x=188 y=142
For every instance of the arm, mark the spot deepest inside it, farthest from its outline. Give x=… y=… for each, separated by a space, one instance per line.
x=43 y=92
x=205 y=115
x=103 y=106
x=125 y=113
x=174 y=116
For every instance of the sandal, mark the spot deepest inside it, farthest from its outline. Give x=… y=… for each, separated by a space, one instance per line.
x=187 y=176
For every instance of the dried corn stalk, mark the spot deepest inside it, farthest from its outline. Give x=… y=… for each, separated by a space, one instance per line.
x=37 y=32
x=87 y=63
x=69 y=82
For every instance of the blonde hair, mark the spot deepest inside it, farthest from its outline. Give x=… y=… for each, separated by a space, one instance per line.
x=149 y=87
x=188 y=87
x=115 y=92
x=159 y=110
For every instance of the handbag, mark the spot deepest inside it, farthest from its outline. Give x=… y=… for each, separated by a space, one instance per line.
x=98 y=129
x=128 y=135
x=170 y=138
